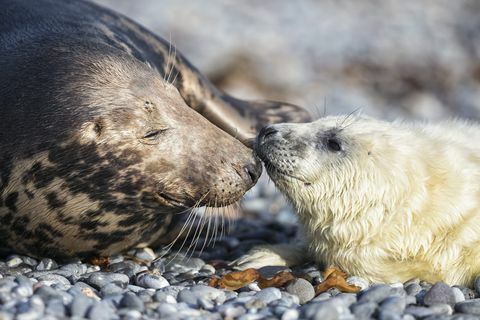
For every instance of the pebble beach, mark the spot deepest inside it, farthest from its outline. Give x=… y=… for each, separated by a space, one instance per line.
x=156 y=284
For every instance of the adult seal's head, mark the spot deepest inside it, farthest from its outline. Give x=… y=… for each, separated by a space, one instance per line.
x=385 y=201
x=105 y=133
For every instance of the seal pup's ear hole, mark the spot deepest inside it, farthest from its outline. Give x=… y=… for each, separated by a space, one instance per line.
x=92 y=130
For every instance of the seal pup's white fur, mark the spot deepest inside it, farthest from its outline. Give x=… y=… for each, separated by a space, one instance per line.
x=384 y=201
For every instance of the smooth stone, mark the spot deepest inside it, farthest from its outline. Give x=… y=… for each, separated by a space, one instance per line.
x=131 y=301
x=22 y=291
x=423 y=312
x=270 y=271
x=165 y=310
x=394 y=305
x=359 y=282
x=469 y=306
x=99 y=279
x=208 y=269
x=47 y=293
x=55 y=308
x=54 y=279
x=80 y=305
x=302 y=289
x=231 y=310
x=146 y=254
x=363 y=310
x=413 y=288
x=46 y=264
x=476 y=284
x=129 y=314
x=468 y=293
x=291 y=314
x=14 y=262
x=439 y=293
x=124 y=265
x=164 y=298
x=102 y=310
x=268 y=295
x=375 y=293
x=153 y=281
x=319 y=311
x=459 y=297
x=111 y=288
x=182 y=264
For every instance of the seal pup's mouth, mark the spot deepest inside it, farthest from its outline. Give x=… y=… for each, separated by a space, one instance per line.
x=168 y=200
x=275 y=171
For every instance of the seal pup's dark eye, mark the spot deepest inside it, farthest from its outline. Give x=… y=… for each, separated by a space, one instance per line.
x=333 y=145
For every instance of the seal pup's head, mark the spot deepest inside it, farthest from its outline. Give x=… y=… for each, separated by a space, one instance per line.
x=339 y=167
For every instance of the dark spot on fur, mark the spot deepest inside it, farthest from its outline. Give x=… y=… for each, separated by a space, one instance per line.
x=29 y=194
x=11 y=201
x=53 y=201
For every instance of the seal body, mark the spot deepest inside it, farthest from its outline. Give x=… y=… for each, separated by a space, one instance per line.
x=384 y=201
x=107 y=132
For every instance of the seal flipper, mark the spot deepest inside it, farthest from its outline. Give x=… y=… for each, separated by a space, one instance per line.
x=240 y=118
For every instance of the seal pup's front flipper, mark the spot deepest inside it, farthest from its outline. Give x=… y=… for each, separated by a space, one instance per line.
x=288 y=255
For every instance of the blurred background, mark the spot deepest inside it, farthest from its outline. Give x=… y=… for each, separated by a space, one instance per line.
x=408 y=59
x=389 y=59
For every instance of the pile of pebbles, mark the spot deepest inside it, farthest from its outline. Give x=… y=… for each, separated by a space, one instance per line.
x=139 y=286
x=144 y=284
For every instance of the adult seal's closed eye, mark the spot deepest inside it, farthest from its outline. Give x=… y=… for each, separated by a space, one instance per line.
x=107 y=132
x=384 y=201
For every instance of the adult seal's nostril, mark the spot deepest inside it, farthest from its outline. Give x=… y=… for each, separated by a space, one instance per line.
x=253 y=171
x=266 y=133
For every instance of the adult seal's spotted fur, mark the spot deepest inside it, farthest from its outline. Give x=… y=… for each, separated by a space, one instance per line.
x=102 y=138
x=384 y=201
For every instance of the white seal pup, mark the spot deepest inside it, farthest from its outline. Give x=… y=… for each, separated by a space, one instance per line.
x=387 y=201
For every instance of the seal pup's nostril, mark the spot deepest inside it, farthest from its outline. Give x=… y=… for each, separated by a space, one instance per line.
x=266 y=133
x=253 y=171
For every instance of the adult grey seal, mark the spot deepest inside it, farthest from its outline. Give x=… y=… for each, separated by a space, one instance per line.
x=387 y=201
x=106 y=134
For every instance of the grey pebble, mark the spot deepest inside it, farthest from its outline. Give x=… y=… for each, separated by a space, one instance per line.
x=131 y=301
x=302 y=289
x=359 y=282
x=423 y=312
x=55 y=308
x=153 y=281
x=111 y=288
x=291 y=314
x=99 y=279
x=14 y=261
x=459 y=297
x=102 y=310
x=375 y=293
x=395 y=305
x=80 y=305
x=363 y=310
x=439 y=293
x=47 y=293
x=469 y=306
x=319 y=311
x=476 y=284
x=146 y=254
x=468 y=293
x=46 y=264
x=54 y=279
x=412 y=289
x=268 y=295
